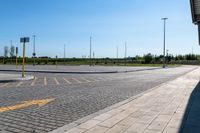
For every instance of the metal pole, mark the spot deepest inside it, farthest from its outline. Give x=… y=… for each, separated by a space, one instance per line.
x=125 y=53
x=90 y=51
x=117 y=55
x=23 y=60
x=167 y=57
x=16 y=58
x=164 y=19
x=34 y=50
x=64 y=54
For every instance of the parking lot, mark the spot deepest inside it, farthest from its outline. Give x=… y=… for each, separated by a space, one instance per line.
x=53 y=100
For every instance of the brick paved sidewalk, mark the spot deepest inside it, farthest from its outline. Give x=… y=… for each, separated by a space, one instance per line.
x=167 y=108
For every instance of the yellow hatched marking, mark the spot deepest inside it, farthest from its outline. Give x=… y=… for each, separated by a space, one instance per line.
x=4 y=85
x=101 y=78
x=26 y=104
x=77 y=80
x=19 y=84
x=45 y=81
x=56 y=81
x=95 y=79
x=67 y=81
x=86 y=80
x=34 y=81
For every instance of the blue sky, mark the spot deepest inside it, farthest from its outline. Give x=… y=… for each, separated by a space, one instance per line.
x=111 y=23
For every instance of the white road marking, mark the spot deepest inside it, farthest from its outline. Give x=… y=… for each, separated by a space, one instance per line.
x=77 y=80
x=67 y=81
x=56 y=81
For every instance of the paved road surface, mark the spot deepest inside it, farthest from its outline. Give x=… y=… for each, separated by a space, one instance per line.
x=71 y=97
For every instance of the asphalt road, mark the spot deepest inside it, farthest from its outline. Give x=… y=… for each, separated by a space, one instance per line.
x=72 y=96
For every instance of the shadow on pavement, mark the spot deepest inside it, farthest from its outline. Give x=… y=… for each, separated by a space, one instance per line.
x=191 y=120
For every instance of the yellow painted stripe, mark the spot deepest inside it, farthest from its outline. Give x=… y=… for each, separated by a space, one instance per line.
x=56 y=81
x=45 y=81
x=76 y=80
x=34 y=81
x=5 y=84
x=19 y=84
x=86 y=80
x=26 y=104
x=67 y=81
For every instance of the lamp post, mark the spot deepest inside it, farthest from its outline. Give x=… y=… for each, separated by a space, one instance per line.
x=125 y=53
x=164 y=20
x=90 y=51
x=34 y=54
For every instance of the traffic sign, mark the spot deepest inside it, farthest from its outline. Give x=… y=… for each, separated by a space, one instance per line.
x=24 y=39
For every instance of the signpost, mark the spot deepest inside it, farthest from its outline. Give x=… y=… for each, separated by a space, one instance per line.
x=16 y=57
x=24 y=40
x=195 y=8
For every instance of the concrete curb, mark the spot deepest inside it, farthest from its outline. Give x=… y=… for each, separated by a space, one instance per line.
x=80 y=72
x=26 y=78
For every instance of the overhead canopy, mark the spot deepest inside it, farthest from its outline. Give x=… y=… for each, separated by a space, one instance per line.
x=195 y=7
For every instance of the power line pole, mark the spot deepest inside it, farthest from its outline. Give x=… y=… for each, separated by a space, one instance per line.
x=90 y=51
x=34 y=54
x=164 y=20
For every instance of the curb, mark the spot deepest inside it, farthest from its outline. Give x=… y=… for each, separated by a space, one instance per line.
x=17 y=79
x=86 y=72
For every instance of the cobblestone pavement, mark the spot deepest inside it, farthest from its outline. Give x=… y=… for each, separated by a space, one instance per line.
x=76 y=96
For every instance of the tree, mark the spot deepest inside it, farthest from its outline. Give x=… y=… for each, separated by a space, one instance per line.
x=148 y=58
x=6 y=51
x=12 y=51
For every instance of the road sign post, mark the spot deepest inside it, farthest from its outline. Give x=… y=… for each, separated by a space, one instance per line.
x=23 y=40
x=16 y=57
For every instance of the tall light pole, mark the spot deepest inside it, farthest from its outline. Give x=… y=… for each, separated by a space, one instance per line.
x=90 y=51
x=125 y=52
x=167 y=57
x=64 y=53
x=117 y=54
x=34 y=54
x=164 y=20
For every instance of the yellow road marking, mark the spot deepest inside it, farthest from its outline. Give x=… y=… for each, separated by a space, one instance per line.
x=95 y=79
x=45 y=81
x=67 y=81
x=5 y=84
x=86 y=80
x=76 y=80
x=56 y=81
x=101 y=78
x=26 y=104
x=19 y=84
x=33 y=83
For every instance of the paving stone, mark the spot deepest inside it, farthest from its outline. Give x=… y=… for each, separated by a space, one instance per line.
x=103 y=117
x=76 y=130
x=113 y=120
x=117 y=129
x=157 y=125
x=89 y=124
x=136 y=128
x=97 y=129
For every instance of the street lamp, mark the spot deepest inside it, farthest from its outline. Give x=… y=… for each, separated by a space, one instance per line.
x=34 y=54
x=125 y=52
x=195 y=9
x=164 y=20
x=90 y=51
